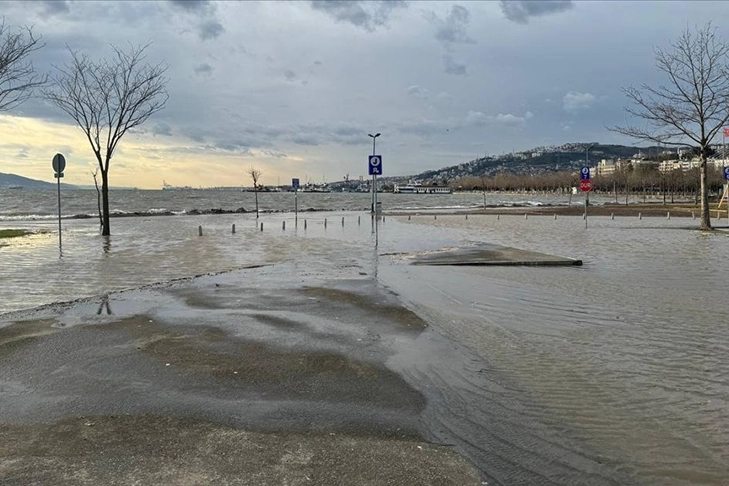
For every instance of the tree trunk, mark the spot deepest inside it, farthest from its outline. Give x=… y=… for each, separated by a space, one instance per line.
x=105 y=226
x=704 y=178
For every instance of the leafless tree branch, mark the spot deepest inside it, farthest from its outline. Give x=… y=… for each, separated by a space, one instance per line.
x=18 y=78
x=107 y=98
x=693 y=106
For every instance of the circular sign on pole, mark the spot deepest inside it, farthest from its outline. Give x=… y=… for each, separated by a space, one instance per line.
x=585 y=185
x=59 y=163
x=726 y=173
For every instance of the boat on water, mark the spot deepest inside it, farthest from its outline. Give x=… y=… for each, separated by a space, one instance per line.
x=168 y=187
x=419 y=189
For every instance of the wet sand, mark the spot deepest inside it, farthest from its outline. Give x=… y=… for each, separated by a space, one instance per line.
x=215 y=381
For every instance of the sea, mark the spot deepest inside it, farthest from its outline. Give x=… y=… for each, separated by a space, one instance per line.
x=610 y=373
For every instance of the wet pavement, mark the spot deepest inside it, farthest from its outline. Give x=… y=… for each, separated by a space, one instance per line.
x=491 y=254
x=217 y=380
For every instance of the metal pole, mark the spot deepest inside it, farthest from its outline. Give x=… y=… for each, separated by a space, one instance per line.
x=60 y=243
x=296 y=205
x=374 y=179
x=587 y=193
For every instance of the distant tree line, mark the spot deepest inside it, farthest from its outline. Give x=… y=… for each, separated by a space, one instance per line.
x=630 y=180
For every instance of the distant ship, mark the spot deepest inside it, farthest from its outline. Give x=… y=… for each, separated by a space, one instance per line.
x=418 y=189
x=168 y=187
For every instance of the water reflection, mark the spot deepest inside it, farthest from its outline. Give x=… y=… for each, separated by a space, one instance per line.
x=104 y=305
x=106 y=243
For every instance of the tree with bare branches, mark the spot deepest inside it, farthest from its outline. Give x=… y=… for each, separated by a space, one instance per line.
x=255 y=176
x=692 y=107
x=106 y=99
x=18 y=78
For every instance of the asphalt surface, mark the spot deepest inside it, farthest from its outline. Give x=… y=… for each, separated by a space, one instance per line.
x=218 y=381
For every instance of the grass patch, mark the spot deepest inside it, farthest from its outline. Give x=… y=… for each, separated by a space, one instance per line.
x=14 y=233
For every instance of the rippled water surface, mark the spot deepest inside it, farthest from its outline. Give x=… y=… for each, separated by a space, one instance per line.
x=611 y=373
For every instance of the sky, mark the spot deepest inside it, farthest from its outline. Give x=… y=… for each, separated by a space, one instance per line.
x=293 y=88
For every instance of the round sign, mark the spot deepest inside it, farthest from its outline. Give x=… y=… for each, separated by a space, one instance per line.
x=585 y=170
x=726 y=173
x=59 y=163
x=586 y=185
x=374 y=161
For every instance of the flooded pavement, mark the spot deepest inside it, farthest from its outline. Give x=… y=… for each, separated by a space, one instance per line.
x=610 y=373
x=253 y=384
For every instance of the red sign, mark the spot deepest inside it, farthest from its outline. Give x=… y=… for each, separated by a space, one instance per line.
x=726 y=132
x=586 y=185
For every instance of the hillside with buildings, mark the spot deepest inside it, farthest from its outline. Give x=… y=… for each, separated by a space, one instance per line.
x=603 y=160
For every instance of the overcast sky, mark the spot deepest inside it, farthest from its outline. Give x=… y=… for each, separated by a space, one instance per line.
x=293 y=88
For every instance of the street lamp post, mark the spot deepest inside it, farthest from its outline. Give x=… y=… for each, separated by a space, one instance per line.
x=374 y=176
x=587 y=193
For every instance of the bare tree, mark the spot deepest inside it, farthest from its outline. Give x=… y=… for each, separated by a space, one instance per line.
x=255 y=176
x=18 y=78
x=106 y=99
x=693 y=106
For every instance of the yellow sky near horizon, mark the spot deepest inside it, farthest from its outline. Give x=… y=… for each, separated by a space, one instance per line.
x=141 y=160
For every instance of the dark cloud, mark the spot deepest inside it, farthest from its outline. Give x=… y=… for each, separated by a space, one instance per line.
x=520 y=11
x=209 y=26
x=417 y=92
x=203 y=68
x=193 y=5
x=451 y=66
x=55 y=7
x=449 y=31
x=162 y=129
x=290 y=75
x=367 y=15
x=210 y=29
x=452 y=29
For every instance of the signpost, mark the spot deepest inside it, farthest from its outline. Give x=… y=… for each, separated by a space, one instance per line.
x=726 y=191
x=295 y=187
x=375 y=169
x=59 y=165
x=585 y=186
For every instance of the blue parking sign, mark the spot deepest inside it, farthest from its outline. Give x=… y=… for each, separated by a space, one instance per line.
x=375 y=165
x=726 y=173
x=294 y=184
x=585 y=173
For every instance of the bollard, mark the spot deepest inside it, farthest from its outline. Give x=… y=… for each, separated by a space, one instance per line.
x=383 y=219
x=555 y=217
x=342 y=220
x=358 y=219
x=693 y=216
x=584 y=216
x=612 y=215
x=526 y=216
x=668 y=215
x=304 y=224
x=233 y=230
x=466 y=217
x=435 y=216
x=408 y=217
x=199 y=230
x=325 y=222
x=283 y=225
x=497 y=217
x=261 y=225
x=640 y=215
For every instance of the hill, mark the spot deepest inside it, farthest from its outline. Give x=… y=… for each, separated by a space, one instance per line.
x=538 y=160
x=15 y=181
